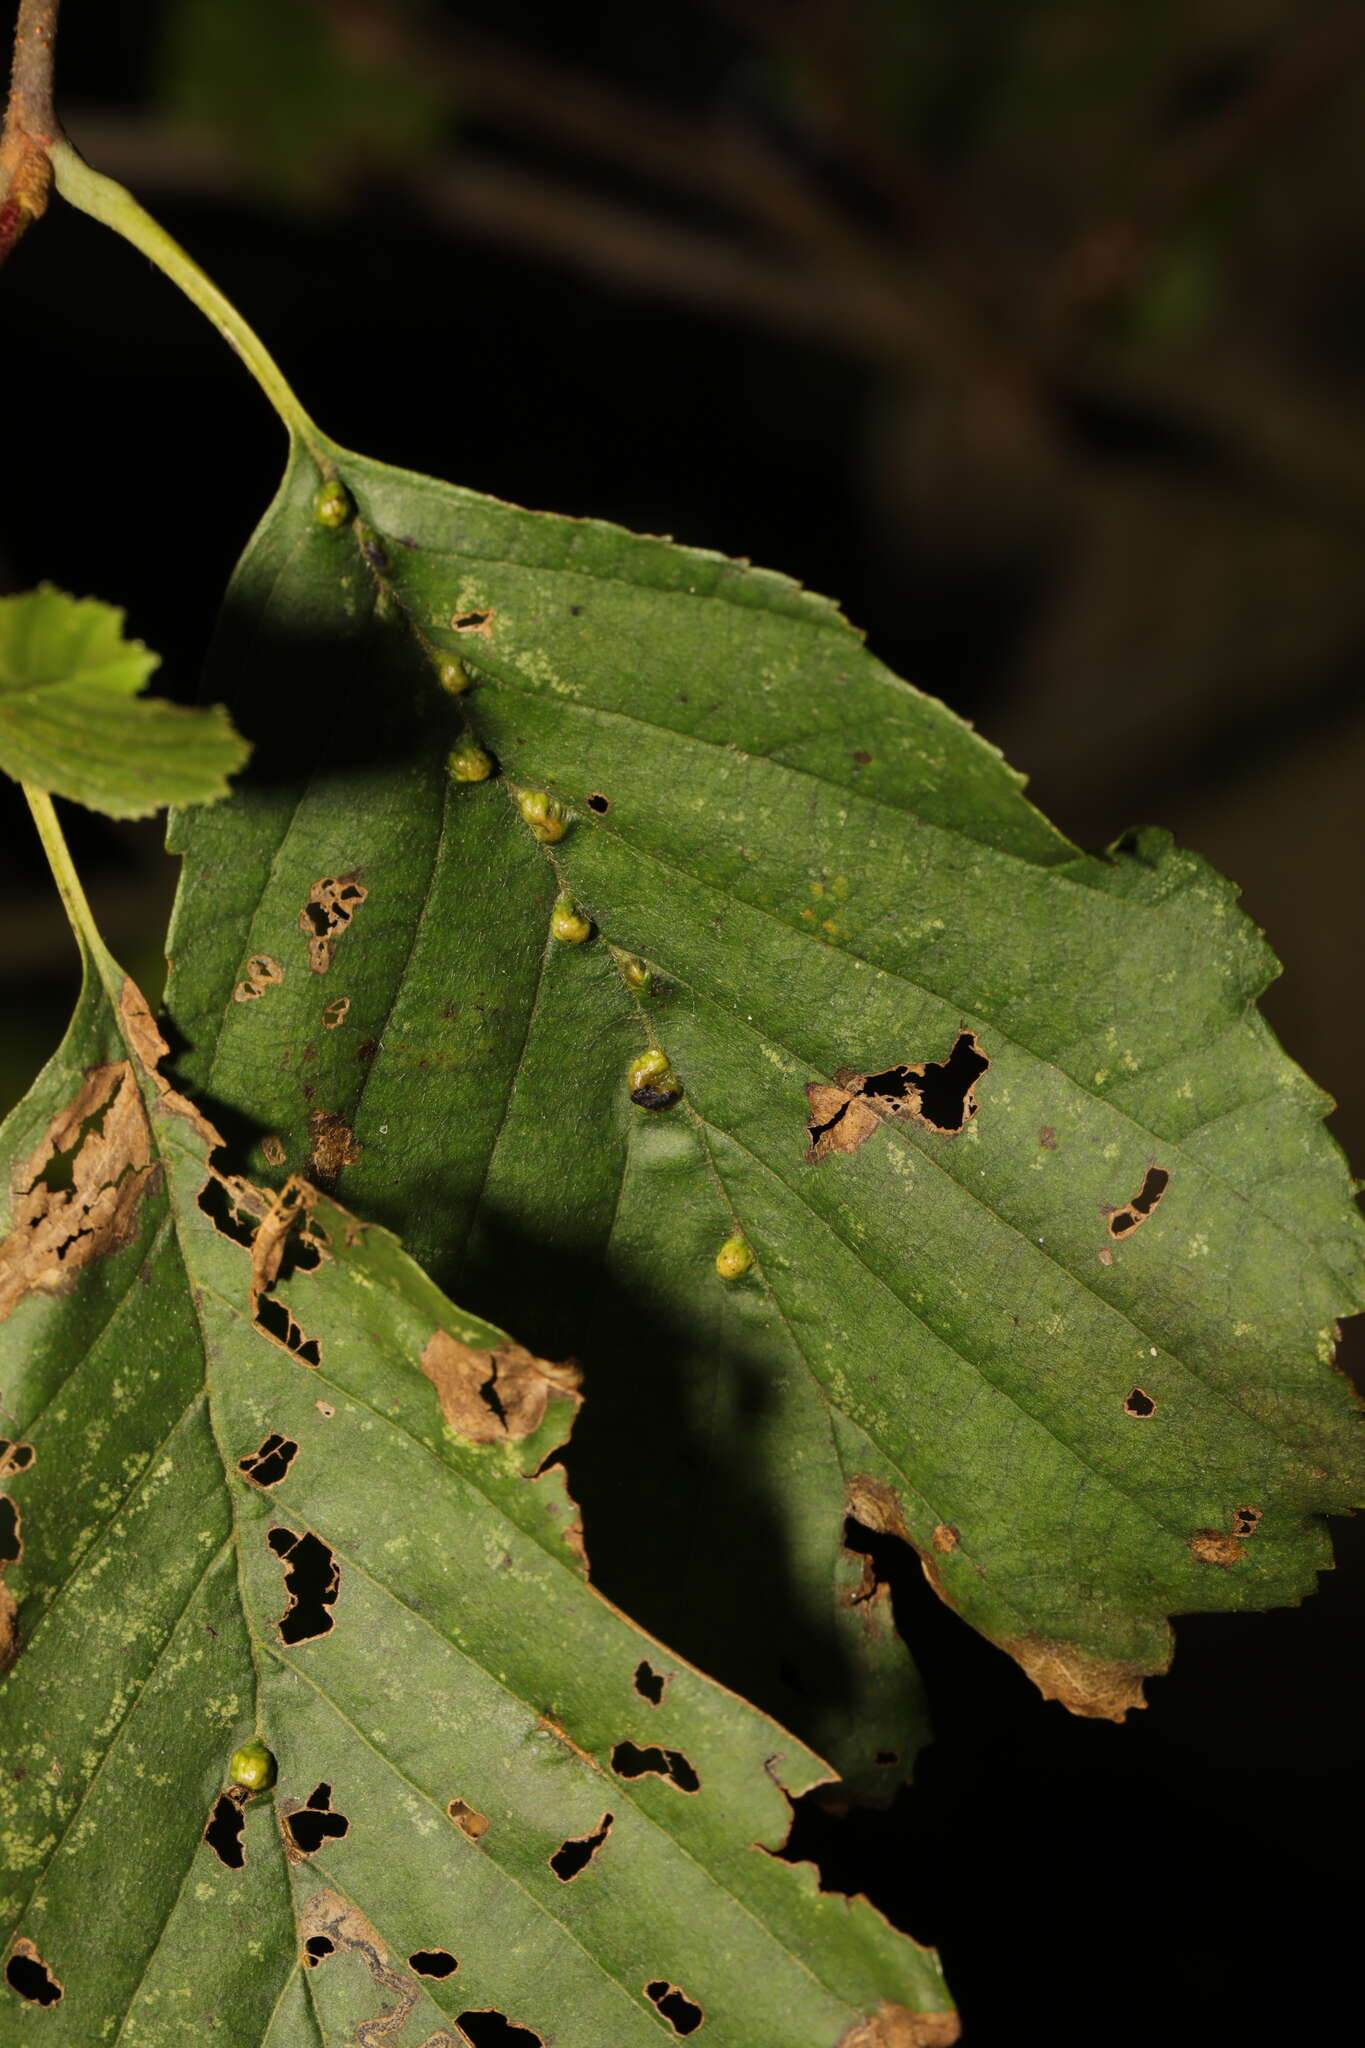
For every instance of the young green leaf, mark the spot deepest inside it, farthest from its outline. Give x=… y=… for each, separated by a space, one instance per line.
x=72 y=720
x=315 y=1730
x=1048 y=1243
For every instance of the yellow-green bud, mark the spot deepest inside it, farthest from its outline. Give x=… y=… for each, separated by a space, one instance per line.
x=652 y=1081
x=568 y=923
x=544 y=816
x=252 y=1766
x=332 y=506
x=734 y=1258
x=467 y=760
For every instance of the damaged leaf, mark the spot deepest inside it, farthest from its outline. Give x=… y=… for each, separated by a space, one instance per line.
x=72 y=720
x=348 y=1711
x=853 y=937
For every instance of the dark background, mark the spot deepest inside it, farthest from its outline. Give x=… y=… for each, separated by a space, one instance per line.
x=1033 y=332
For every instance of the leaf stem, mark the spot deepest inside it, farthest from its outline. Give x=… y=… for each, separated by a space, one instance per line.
x=79 y=914
x=114 y=207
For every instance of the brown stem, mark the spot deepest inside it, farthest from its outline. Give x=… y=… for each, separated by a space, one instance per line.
x=30 y=122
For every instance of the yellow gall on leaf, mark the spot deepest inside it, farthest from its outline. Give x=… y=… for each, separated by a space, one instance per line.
x=652 y=1081
x=543 y=814
x=467 y=760
x=568 y=923
x=454 y=677
x=635 y=973
x=332 y=505
x=734 y=1258
x=252 y=1766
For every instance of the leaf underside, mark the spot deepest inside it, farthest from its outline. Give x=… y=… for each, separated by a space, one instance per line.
x=949 y=1334
x=243 y=1516
x=1076 y=1351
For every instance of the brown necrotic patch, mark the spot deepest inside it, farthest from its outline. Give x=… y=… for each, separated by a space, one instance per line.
x=629 y=1760
x=268 y=1465
x=328 y=1926
x=468 y=1818
x=945 y=1538
x=682 y=2014
x=332 y=902
x=1125 y=1220
x=936 y=1095
x=1139 y=1403
x=331 y=1145
x=310 y=1824
x=472 y=622
x=573 y=1856
x=493 y=1396
x=896 y=2026
x=1244 y=1520
x=334 y=1013
x=312 y=1580
x=29 y=1975
x=1214 y=1546
x=76 y=1196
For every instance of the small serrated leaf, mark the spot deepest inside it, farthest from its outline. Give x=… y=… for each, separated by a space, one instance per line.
x=72 y=720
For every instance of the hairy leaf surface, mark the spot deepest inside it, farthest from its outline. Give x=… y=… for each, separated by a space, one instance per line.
x=239 y=1514
x=1069 y=1333
x=71 y=719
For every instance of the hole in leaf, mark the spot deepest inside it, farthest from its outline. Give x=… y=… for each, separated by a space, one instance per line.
x=1124 y=1221
x=312 y=1581
x=649 y=1683
x=474 y=1823
x=1244 y=1520
x=888 y=1757
x=268 y=1465
x=599 y=803
x=493 y=2029
x=628 y=1760
x=275 y=1320
x=224 y=1832
x=1140 y=1404
x=575 y=1855
x=332 y=902
x=315 y=1823
x=682 y=2015
x=432 y=1962
x=11 y=1542
x=28 y=1974
x=470 y=622
x=224 y=1214
x=15 y=1457
x=316 y=1949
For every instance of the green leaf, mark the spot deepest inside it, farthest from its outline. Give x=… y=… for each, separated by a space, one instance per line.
x=244 y=1524
x=1087 y=1415
x=72 y=721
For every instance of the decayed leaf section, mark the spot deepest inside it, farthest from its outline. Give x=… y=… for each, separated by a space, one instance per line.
x=326 y=1546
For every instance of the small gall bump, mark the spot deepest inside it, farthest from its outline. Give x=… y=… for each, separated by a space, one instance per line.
x=568 y=924
x=635 y=973
x=252 y=1766
x=545 y=817
x=652 y=1081
x=467 y=760
x=454 y=677
x=332 y=504
x=734 y=1258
